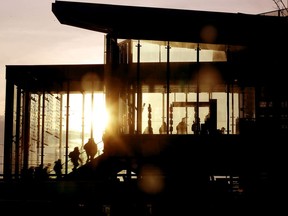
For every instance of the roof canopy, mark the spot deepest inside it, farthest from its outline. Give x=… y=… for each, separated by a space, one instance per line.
x=131 y=22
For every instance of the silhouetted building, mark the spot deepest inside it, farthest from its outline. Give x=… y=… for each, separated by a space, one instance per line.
x=189 y=62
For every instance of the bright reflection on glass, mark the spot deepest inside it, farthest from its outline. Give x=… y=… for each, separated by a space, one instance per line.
x=87 y=120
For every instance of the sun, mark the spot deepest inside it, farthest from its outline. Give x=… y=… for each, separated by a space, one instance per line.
x=99 y=120
x=95 y=115
x=88 y=114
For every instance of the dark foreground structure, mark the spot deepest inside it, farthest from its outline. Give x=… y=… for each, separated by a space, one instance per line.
x=220 y=74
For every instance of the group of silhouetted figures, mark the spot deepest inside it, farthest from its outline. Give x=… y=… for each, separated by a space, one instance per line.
x=42 y=172
x=198 y=128
x=91 y=150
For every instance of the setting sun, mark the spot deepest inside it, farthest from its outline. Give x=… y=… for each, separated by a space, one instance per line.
x=88 y=116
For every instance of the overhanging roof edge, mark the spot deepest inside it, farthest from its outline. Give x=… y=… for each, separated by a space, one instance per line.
x=175 y=25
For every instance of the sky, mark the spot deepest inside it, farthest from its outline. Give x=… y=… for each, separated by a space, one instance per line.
x=30 y=34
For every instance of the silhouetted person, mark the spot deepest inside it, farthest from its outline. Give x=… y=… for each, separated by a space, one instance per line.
x=182 y=127
x=31 y=172
x=91 y=149
x=148 y=130
x=196 y=126
x=75 y=158
x=222 y=130
x=28 y=174
x=58 y=169
x=163 y=128
x=207 y=126
x=41 y=173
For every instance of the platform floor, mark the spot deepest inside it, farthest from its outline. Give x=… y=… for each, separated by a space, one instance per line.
x=119 y=199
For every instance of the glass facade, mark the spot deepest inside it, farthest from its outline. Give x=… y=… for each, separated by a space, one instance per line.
x=204 y=98
x=189 y=89
x=46 y=127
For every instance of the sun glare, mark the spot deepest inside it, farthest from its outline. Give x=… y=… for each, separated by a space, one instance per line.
x=88 y=114
x=100 y=120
